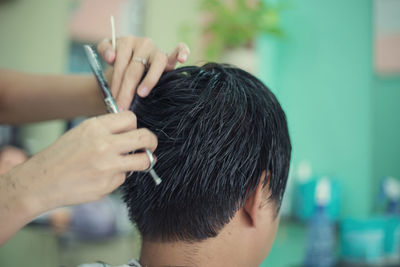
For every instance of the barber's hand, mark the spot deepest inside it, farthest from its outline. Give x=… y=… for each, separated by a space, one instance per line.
x=133 y=56
x=87 y=162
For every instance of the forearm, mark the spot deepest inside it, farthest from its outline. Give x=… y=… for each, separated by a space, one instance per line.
x=16 y=209
x=28 y=97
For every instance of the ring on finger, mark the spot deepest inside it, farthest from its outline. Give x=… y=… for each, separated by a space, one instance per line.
x=141 y=60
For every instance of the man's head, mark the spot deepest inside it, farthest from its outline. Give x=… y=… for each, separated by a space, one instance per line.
x=220 y=131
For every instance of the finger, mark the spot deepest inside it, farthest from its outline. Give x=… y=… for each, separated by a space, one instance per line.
x=133 y=75
x=125 y=49
x=119 y=122
x=179 y=54
x=106 y=51
x=157 y=66
x=135 y=140
x=135 y=162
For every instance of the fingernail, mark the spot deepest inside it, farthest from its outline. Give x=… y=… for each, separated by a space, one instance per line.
x=143 y=91
x=120 y=108
x=109 y=55
x=183 y=58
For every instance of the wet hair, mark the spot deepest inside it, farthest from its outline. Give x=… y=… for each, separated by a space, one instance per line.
x=218 y=129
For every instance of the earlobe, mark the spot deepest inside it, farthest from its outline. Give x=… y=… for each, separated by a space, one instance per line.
x=255 y=202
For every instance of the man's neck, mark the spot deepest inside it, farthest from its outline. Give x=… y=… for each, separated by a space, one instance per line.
x=184 y=254
x=224 y=250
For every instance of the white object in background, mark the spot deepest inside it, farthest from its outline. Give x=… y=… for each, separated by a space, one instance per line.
x=304 y=171
x=242 y=57
x=302 y=174
x=113 y=38
x=391 y=186
x=323 y=192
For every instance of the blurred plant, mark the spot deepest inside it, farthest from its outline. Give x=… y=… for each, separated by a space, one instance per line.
x=236 y=23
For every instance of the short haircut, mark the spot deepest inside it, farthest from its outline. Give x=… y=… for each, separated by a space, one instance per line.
x=218 y=129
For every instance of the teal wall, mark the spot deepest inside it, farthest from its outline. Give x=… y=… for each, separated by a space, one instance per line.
x=386 y=126
x=343 y=117
x=323 y=77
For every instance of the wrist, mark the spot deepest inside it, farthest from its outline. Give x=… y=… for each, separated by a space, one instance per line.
x=17 y=208
x=28 y=198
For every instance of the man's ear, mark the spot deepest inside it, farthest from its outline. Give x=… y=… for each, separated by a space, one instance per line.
x=253 y=207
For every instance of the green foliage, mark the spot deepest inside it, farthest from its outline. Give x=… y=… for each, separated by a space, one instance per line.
x=238 y=24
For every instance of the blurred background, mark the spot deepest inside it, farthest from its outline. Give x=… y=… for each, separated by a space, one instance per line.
x=334 y=66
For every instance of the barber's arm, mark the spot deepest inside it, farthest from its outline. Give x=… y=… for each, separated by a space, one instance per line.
x=83 y=165
x=28 y=97
x=90 y=160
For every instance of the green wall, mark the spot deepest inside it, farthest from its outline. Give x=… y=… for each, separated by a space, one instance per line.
x=386 y=126
x=323 y=77
x=343 y=117
x=34 y=35
x=34 y=38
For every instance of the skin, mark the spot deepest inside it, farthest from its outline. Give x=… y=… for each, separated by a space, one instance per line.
x=128 y=72
x=68 y=96
x=245 y=241
x=11 y=157
x=90 y=160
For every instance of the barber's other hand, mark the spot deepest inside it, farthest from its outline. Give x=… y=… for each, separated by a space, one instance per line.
x=87 y=162
x=128 y=70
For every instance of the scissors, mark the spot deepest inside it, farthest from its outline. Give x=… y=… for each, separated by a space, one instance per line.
x=110 y=103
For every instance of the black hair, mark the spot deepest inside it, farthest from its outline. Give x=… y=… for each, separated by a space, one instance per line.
x=218 y=129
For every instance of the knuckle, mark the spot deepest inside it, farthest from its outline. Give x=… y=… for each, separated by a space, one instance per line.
x=101 y=47
x=99 y=169
x=162 y=57
x=102 y=146
x=130 y=38
x=132 y=71
x=134 y=119
x=147 y=41
x=130 y=117
x=148 y=137
x=89 y=124
x=125 y=41
x=144 y=163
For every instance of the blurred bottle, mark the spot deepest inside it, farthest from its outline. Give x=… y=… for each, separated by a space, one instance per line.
x=391 y=191
x=303 y=192
x=321 y=232
x=390 y=196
